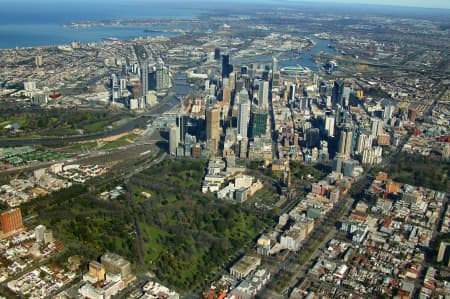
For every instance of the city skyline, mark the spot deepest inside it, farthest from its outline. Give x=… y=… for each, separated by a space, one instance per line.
x=224 y=149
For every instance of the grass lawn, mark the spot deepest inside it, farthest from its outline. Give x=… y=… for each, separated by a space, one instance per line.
x=152 y=241
x=122 y=141
x=421 y=171
x=80 y=147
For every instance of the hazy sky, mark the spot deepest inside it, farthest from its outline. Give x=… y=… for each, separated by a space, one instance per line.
x=417 y=3
x=410 y=3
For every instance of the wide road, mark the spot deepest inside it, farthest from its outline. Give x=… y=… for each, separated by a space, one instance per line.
x=321 y=235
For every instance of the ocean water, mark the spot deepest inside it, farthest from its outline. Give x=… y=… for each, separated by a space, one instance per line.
x=32 y=23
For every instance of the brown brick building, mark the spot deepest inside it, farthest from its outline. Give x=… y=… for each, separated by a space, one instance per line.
x=11 y=221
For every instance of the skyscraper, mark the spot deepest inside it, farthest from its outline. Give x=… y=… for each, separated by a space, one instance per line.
x=227 y=68
x=243 y=114
x=363 y=142
x=115 y=88
x=243 y=119
x=377 y=127
x=159 y=77
x=276 y=79
x=123 y=84
x=329 y=125
x=263 y=97
x=388 y=111
x=39 y=233
x=292 y=93
x=213 y=125
x=144 y=78
x=444 y=253
x=348 y=167
x=226 y=95
x=217 y=54
x=174 y=139
x=345 y=142
x=182 y=123
x=38 y=61
x=265 y=75
x=312 y=137
x=337 y=96
x=258 y=122
x=233 y=80
x=275 y=65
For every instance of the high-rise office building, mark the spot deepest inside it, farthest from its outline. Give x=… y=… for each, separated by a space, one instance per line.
x=304 y=105
x=226 y=95
x=243 y=119
x=227 y=68
x=312 y=137
x=276 y=79
x=136 y=89
x=123 y=84
x=232 y=81
x=213 y=125
x=38 y=61
x=345 y=142
x=242 y=96
x=159 y=77
x=114 y=80
x=115 y=88
x=144 y=79
x=412 y=114
x=265 y=75
x=346 y=96
x=372 y=156
x=329 y=125
x=182 y=123
x=39 y=233
x=11 y=221
x=338 y=162
x=363 y=143
x=275 y=65
x=263 y=97
x=348 y=167
x=226 y=82
x=217 y=54
x=377 y=127
x=243 y=148
x=258 y=122
x=337 y=96
x=444 y=253
x=388 y=111
x=174 y=139
x=243 y=113
x=292 y=93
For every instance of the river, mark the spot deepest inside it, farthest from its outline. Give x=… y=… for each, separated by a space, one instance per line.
x=305 y=59
x=182 y=88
